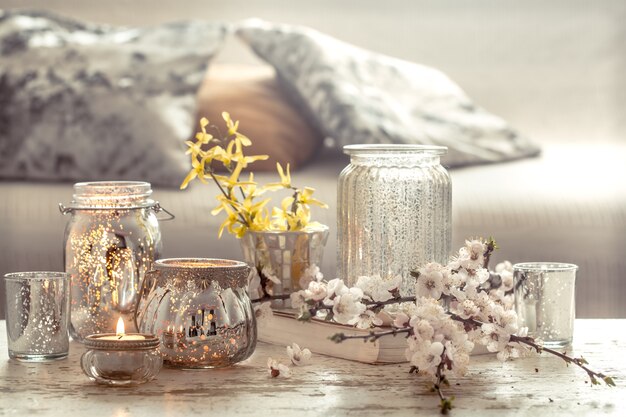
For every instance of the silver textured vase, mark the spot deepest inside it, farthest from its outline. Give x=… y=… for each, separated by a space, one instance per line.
x=394 y=211
x=285 y=256
x=200 y=310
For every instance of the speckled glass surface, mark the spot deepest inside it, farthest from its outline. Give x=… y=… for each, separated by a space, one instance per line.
x=394 y=211
x=111 y=240
x=37 y=315
x=286 y=255
x=545 y=301
x=200 y=310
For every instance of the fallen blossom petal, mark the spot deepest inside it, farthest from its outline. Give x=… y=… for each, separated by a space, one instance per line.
x=277 y=369
x=298 y=356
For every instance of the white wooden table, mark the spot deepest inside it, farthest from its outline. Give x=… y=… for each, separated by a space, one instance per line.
x=539 y=385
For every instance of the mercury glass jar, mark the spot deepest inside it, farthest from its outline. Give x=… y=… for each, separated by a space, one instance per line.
x=394 y=211
x=200 y=310
x=285 y=255
x=111 y=240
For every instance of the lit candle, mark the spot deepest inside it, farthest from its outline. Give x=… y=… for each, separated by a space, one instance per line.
x=121 y=336
x=121 y=359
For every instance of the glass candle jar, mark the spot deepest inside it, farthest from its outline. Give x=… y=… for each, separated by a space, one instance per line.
x=545 y=301
x=394 y=212
x=37 y=315
x=112 y=359
x=200 y=310
x=111 y=240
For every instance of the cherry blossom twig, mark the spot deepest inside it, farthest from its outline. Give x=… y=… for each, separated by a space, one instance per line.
x=445 y=403
x=270 y=298
x=372 y=336
x=373 y=305
x=379 y=304
x=471 y=323
x=580 y=362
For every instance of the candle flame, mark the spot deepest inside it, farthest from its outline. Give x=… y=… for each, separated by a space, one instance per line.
x=120 y=327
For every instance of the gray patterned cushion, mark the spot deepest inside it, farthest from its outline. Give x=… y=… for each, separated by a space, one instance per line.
x=83 y=102
x=357 y=96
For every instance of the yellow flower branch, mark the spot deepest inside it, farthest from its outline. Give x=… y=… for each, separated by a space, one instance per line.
x=244 y=213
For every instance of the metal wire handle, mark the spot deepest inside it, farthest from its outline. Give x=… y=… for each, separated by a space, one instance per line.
x=156 y=207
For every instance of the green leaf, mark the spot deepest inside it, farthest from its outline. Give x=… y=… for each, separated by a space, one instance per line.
x=337 y=337
x=446 y=405
x=609 y=381
x=304 y=316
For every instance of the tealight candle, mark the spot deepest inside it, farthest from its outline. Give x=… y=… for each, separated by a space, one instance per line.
x=120 y=335
x=121 y=359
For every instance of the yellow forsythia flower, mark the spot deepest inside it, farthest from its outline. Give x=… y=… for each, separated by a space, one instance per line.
x=237 y=198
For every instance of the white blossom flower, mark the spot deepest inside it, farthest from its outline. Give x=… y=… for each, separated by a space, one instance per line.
x=310 y=274
x=298 y=300
x=482 y=275
x=316 y=291
x=334 y=287
x=504 y=266
x=471 y=256
x=394 y=283
x=494 y=337
x=377 y=288
x=298 y=357
x=367 y=319
x=422 y=329
x=450 y=281
x=515 y=350
x=429 y=307
x=506 y=319
x=508 y=352
x=269 y=274
x=430 y=282
x=401 y=320
x=476 y=249
x=484 y=303
x=507 y=280
x=263 y=313
x=277 y=369
x=373 y=288
x=347 y=307
x=466 y=309
x=459 y=356
x=427 y=357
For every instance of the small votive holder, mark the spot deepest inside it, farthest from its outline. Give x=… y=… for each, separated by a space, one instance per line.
x=545 y=301
x=111 y=359
x=37 y=315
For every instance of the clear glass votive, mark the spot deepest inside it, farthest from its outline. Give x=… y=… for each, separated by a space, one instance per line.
x=37 y=315
x=117 y=360
x=545 y=301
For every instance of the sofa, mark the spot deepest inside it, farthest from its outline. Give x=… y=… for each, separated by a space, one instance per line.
x=554 y=71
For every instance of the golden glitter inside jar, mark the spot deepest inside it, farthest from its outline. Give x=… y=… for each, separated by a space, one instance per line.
x=200 y=310
x=111 y=240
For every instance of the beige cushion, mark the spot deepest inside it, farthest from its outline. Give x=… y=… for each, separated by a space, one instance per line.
x=251 y=95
